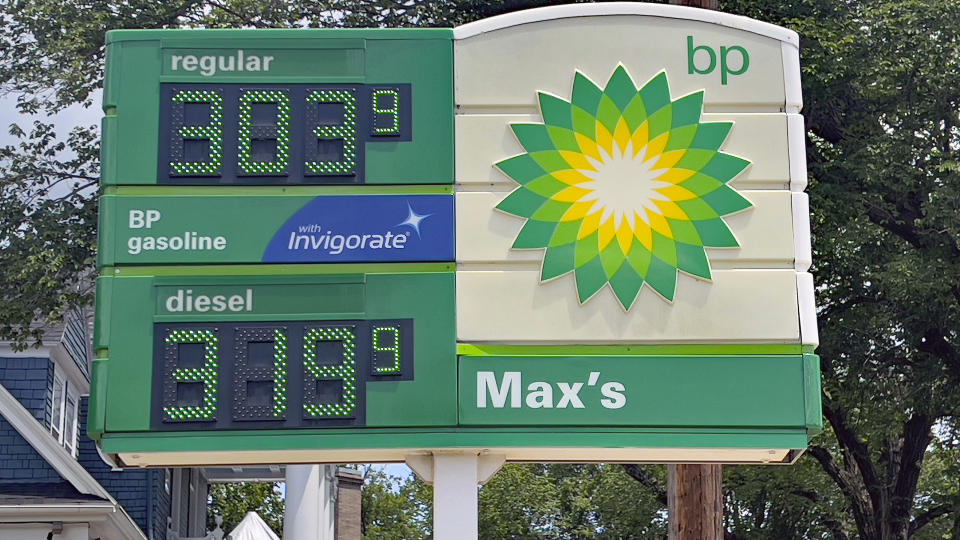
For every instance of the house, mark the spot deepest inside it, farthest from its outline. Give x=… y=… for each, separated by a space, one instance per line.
x=53 y=481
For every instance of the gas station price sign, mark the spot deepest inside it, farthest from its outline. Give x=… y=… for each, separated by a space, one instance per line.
x=258 y=134
x=262 y=349
x=278 y=107
x=361 y=245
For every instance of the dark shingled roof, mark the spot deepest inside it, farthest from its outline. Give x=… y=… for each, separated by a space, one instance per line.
x=43 y=493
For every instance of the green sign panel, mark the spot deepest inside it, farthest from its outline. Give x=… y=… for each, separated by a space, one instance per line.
x=691 y=391
x=278 y=107
x=263 y=300
x=275 y=351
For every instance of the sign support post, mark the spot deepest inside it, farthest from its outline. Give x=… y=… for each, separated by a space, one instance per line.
x=455 y=477
x=695 y=501
x=695 y=506
x=455 y=496
x=308 y=508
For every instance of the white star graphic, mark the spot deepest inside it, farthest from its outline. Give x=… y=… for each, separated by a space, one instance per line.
x=413 y=219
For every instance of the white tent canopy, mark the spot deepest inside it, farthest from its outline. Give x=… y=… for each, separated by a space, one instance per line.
x=252 y=527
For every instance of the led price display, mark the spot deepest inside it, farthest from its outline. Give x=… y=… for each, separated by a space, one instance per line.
x=274 y=375
x=276 y=134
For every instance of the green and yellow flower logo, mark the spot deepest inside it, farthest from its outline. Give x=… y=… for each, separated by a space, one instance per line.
x=623 y=186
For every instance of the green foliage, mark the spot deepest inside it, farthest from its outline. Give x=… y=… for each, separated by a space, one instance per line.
x=395 y=508
x=232 y=501
x=527 y=501
x=882 y=97
x=783 y=502
x=47 y=228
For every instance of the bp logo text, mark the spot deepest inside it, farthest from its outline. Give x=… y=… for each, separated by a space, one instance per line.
x=703 y=60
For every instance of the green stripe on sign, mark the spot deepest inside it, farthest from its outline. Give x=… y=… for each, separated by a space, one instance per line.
x=617 y=350
x=267 y=191
x=279 y=269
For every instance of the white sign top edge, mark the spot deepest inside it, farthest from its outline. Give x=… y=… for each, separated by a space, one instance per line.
x=626 y=8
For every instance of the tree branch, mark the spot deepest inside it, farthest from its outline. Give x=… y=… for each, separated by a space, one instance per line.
x=861 y=514
x=642 y=475
x=935 y=343
x=924 y=518
x=240 y=17
x=917 y=434
x=835 y=526
x=858 y=450
x=900 y=226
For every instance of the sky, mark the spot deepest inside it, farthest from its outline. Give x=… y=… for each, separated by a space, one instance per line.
x=65 y=120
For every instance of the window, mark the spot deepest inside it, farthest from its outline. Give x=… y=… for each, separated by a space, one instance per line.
x=63 y=417
x=56 y=417
x=70 y=423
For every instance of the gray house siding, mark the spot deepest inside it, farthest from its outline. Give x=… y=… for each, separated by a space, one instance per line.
x=29 y=380
x=141 y=492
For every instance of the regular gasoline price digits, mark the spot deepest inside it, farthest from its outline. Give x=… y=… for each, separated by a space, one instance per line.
x=245 y=134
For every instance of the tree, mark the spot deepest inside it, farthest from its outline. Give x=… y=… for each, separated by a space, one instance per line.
x=395 y=508
x=524 y=501
x=783 y=502
x=881 y=84
x=51 y=57
x=232 y=501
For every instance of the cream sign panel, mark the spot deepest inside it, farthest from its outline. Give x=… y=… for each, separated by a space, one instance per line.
x=630 y=173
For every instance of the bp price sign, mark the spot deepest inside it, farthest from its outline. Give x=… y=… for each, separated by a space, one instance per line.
x=250 y=350
x=278 y=108
x=573 y=233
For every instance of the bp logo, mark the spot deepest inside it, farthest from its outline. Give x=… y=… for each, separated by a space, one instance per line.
x=623 y=187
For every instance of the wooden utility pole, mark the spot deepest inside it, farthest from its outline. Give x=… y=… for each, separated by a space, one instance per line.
x=705 y=4
x=695 y=492
x=695 y=502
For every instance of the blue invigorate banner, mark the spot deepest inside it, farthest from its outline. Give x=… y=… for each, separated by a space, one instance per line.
x=367 y=228
x=276 y=228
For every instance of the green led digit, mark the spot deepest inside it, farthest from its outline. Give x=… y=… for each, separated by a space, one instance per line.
x=391 y=112
x=279 y=373
x=212 y=132
x=393 y=351
x=345 y=371
x=280 y=132
x=347 y=132
x=207 y=374
x=250 y=349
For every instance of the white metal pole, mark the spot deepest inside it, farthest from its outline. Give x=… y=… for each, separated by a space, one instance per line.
x=301 y=506
x=455 y=496
x=328 y=502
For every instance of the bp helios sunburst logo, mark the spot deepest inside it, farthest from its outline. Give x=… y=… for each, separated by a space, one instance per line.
x=623 y=186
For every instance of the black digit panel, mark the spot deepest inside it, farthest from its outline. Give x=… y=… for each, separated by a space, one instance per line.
x=244 y=134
